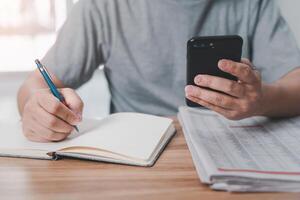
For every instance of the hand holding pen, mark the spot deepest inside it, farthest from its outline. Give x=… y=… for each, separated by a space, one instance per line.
x=50 y=115
x=51 y=85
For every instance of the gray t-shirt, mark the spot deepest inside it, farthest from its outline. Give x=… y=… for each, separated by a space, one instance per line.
x=142 y=44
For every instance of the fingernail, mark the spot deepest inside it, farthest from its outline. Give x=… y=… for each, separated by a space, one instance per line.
x=188 y=89
x=223 y=64
x=198 y=79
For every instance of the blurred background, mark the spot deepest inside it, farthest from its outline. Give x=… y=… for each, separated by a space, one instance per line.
x=29 y=27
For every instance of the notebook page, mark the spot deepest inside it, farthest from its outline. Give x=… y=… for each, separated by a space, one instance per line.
x=131 y=134
x=12 y=138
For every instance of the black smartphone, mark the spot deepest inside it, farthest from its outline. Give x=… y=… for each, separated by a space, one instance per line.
x=204 y=53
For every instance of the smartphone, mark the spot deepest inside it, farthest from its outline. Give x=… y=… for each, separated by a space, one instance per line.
x=204 y=53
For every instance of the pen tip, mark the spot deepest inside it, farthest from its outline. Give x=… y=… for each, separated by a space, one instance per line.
x=76 y=128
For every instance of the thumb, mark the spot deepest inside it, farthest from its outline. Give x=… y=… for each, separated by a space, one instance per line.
x=73 y=101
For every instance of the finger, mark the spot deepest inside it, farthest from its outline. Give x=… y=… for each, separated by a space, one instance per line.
x=242 y=71
x=227 y=86
x=220 y=110
x=256 y=72
x=212 y=97
x=55 y=107
x=29 y=133
x=51 y=122
x=45 y=134
x=73 y=101
x=247 y=62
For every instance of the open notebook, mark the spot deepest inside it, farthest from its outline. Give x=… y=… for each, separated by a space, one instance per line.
x=127 y=138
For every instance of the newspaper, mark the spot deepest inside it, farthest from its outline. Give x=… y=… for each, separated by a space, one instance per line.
x=255 y=154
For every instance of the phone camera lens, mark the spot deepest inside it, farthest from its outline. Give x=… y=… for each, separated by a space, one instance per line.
x=201 y=45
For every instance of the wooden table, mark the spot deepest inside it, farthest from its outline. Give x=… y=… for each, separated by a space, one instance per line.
x=172 y=177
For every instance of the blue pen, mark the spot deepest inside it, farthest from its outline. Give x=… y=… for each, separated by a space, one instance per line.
x=51 y=85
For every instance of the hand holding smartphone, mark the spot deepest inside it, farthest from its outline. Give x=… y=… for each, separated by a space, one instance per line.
x=204 y=53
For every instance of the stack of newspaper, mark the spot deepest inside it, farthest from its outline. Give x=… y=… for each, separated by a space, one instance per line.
x=252 y=155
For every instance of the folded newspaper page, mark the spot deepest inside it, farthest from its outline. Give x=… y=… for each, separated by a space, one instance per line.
x=255 y=154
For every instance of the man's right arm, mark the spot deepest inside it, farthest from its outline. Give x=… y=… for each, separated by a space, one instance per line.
x=74 y=57
x=44 y=118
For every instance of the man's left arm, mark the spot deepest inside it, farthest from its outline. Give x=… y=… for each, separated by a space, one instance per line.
x=283 y=96
x=248 y=96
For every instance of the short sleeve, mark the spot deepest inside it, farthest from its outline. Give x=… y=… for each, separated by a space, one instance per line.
x=77 y=53
x=274 y=48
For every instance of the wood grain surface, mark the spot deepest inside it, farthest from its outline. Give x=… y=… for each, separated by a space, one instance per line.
x=172 y=177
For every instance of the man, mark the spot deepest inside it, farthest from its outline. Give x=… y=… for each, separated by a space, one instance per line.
x=143 y=47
